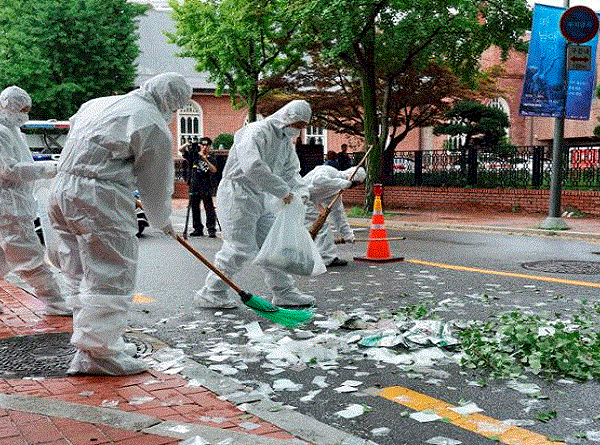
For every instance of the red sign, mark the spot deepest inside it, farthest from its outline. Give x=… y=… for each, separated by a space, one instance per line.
x=579 y=24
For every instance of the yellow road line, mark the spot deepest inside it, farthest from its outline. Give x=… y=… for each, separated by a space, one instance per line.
x=141 y=298
x=476 y=422
x=506 y=274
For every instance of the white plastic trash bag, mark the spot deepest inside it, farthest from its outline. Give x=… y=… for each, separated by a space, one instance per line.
x=288 y=246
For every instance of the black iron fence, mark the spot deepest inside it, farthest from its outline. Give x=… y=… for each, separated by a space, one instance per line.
x=527 y=167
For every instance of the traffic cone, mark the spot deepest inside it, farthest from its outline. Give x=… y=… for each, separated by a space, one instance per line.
x=378 y=249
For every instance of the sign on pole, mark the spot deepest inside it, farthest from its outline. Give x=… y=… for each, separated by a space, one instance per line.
x=545 y=87
x=579 y=58
x=579 y=24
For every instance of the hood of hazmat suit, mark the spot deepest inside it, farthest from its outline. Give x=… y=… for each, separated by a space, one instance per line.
x=18 y=171
x=325 y=181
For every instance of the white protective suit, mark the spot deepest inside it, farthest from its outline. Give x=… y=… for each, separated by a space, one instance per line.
x=324 y=183
x=261 y=168
x=116 y=144
x=20 y=247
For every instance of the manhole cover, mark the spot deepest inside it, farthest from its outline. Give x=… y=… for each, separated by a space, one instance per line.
x=565 y=266
x=43 y=355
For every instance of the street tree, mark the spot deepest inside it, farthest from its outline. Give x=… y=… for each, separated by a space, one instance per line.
x=65 y=53
x=418 y=99
x=239 y=42
x=477 y=125
x=385 y=39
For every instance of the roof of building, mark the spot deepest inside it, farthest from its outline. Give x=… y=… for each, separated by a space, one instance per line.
x=158 y=56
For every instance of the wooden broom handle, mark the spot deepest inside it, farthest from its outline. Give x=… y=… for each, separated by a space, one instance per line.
x=207 y=263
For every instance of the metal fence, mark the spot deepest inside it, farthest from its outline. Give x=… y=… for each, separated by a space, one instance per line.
x=527 y=167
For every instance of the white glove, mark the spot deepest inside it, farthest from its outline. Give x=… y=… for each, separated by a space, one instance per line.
x=168 y=230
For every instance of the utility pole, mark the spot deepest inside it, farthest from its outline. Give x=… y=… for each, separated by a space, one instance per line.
x=554 y=220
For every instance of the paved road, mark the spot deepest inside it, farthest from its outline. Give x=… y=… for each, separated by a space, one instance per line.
x=460 y=275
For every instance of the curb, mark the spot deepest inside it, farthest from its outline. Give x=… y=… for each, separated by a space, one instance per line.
x=393 y=224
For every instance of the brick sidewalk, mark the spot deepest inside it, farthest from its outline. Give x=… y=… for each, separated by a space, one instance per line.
x=151 y=396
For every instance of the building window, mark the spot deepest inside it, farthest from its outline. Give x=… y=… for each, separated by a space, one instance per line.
x=189 y=123
x=316 y=135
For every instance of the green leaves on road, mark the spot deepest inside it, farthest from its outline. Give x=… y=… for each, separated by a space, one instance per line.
x=516 y=342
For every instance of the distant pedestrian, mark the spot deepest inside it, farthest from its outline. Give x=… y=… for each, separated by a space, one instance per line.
x=331 y=159
x=200 y=171
x=343 y=159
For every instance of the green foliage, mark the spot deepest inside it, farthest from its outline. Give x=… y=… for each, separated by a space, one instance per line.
x=482 y=126
x=224 y=139
x=65 y=53
x=515 y=342
x=240 y=43
x=382 y=40
x=357 y=212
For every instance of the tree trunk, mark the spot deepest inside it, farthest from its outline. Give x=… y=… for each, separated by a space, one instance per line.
x=369 y=92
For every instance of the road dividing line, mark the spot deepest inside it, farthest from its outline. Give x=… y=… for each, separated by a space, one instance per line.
x=476 y=423
x=141 y=298
x=506 y=274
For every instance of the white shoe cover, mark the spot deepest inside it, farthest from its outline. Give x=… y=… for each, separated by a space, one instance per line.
x=118 y=364
x=292 y=297
x=58 y=308
x=210 y=300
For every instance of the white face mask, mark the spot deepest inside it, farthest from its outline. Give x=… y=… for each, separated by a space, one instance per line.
x=18 y=119
x=291 y=132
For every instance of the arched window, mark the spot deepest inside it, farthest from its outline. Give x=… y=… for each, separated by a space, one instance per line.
x=501 y=104
x=189 y=123
x=316 y=135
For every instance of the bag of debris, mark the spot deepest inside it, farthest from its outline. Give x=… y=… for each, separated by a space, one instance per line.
x=288 y=246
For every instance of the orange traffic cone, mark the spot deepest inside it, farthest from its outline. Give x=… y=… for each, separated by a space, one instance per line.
x=378 y=249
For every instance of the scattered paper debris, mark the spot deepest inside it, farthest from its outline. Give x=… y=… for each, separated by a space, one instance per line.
x=196 y=440
x=440 y=440
x=109 y=403
x=351 y=411
x=466 y=410
x=425 y=416
x=379 y=432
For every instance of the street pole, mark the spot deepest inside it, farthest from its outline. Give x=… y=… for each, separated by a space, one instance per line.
x=554 y=220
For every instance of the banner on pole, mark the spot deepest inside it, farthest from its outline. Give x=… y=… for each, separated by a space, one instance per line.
x=543 y=88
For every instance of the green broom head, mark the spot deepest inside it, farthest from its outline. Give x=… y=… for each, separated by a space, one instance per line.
x=287 y=317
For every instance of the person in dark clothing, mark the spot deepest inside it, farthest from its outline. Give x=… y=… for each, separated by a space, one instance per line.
x=331 y=159
x=343 y=159
x=200 y=169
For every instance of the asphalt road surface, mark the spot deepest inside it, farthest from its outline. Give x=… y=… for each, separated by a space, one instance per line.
x=389 y=395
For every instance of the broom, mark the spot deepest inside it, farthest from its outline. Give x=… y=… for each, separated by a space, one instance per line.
x=318 y=224
x=286 y=317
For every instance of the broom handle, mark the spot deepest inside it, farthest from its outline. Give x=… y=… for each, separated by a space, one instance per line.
x=207 y=263
x=314 y=229
x=366 y=240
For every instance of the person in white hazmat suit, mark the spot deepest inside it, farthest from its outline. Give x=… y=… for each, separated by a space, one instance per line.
x=261 y=168
x=116 y=144
x=20 y=248
x=324 y=183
